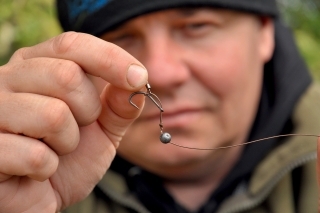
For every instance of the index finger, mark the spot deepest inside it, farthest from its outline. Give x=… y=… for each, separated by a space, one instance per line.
x=96 y=56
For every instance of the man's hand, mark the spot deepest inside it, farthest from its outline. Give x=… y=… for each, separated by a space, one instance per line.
x=57 y=136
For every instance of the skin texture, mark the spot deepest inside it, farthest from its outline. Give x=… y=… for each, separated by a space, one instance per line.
x=57 y=136
x=206 y=67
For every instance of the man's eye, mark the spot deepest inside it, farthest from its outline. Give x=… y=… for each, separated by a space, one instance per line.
x=196 y=29
x=196 y=26
x=122 y=37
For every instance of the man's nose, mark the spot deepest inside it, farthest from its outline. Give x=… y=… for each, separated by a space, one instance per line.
x=166 y=62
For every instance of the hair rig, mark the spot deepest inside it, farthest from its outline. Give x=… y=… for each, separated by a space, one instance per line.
x=166 y=137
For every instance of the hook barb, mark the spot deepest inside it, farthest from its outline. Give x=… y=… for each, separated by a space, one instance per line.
x=133 y=94
x=148 y=94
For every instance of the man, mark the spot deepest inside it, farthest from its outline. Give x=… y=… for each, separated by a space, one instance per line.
x=225 y=72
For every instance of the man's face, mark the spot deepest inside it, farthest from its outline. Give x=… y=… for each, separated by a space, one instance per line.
x=206 y=67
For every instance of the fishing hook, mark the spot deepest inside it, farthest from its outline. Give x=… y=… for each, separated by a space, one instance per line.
x=164 y=136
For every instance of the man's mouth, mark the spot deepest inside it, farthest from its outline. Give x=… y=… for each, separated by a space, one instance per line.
x=175 y=118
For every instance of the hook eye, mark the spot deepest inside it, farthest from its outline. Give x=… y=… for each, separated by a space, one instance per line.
x=157 y=102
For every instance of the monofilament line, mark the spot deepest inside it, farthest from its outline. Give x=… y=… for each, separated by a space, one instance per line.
x=254 y=141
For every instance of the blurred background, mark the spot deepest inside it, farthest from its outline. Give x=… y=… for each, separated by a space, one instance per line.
x=27 y=22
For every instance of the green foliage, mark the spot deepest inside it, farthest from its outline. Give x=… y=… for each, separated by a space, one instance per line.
x=25 y=23
x=304 y=18
x=309 y=46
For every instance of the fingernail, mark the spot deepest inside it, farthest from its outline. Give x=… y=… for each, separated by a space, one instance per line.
x=137 y=76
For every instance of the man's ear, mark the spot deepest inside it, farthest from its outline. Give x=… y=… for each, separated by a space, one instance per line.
x=267 y=41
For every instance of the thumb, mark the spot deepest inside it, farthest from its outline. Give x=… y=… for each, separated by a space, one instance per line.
x=117 y=112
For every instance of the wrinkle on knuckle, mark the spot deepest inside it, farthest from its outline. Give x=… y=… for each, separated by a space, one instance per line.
x=19 y=54
x=72 y=143
x=64 y=42
x=68 y=76
x=56 y=115
x=115 y=133
x=114 y=137
x=92 y=114
x=38 y=158
x=107 y=59
x=95 y=114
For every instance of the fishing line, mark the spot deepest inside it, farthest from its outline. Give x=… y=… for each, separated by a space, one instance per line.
x=165 y=137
